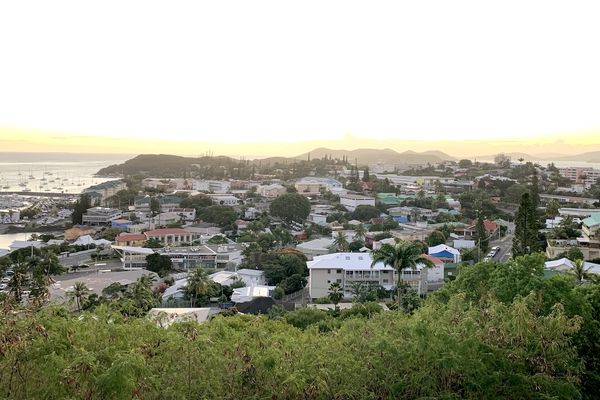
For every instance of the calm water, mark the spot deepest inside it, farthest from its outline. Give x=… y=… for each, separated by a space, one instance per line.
x=53 y=172
x=7 y=239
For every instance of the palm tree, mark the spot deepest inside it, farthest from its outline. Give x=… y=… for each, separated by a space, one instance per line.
x=403 y=255
x=141 y=293
x=79 y=293
x=359 y=232
x=336 y=293
x=579 y=272
x=198 y=285
x=341 y=242
x=17 y=281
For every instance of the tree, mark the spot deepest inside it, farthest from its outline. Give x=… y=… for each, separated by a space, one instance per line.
x=402 y=255
x=552 y=208
x=465 y=163
x=365 y=213
x=159 y=263
x=197 y=202
x=110 y=233
x=366 y=177
x=579 y=272
x=481 y=236
x=81 y=206
x=142 y=296
x=79 y=293
x=435 y=238
x=223 y=216
x=153 y=243
x=340 y=241
x=359 y=232
x=525 y=239
x=290 y=207
x=198 y=288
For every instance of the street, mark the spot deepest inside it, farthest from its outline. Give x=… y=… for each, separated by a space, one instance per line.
x=505 y=244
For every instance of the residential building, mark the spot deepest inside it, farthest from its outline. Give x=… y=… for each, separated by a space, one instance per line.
x=211 y=186
x=130 y=239
x=352 y=201
x=582 y=175
x=316 y=247
x=444 y=253
x=77 y=231
x=346 y=269
x=105 y=190
x=312 y=185
x=470 y=232
x=588 y=243
x=101 y=216
x=566 y=265
x=170 y=236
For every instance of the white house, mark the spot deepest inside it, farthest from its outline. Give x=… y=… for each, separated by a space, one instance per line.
x=345 y=269
x=271 y=191
x=445 y=253
x=351 y=201
x=564 y=265
x=225 y=199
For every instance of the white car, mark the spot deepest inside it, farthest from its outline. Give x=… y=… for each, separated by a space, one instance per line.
x=5 y=279
x=3 y=286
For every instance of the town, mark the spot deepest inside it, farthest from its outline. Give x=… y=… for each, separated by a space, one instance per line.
x=317 y=232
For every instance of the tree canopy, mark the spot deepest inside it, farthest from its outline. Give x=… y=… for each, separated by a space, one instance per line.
x=291 y=207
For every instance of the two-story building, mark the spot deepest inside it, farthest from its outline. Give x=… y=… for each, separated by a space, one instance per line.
x=352 y=201
x=101 y=216
x=170 y=236
x=588 y=243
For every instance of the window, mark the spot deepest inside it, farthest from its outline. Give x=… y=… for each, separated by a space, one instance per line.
x=385 y=281
x=338 y=280
x=328 y=271
x=328 y=281
x=339 y=271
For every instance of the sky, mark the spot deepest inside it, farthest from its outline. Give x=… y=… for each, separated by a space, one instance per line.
x=263 y=78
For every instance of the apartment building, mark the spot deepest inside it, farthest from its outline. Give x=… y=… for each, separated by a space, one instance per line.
x=346 y=269
x=581 y=175
x=170 y=236
x=101 y=192
x=588 y=243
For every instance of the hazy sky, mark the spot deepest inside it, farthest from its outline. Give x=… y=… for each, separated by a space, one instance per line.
x=225 y=72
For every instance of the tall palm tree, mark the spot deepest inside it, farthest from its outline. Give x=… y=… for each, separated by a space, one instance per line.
x=340 y=242
x=79 y=293
x=579 y=272
x=400 y=256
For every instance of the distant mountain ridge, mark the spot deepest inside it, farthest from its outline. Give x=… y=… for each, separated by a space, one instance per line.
x=385 y=156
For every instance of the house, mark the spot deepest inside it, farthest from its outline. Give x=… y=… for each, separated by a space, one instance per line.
x=470 y=232
x=78 y=230
x=444 y=253
x=319 y=219
x=312 y=185
x=565 y=265
x=166 y=316
x=316 y=247
x=170 y=236
x=352 y=201
x=130 y=239
x=101 y=216
x=250 y=277
x=249 y=293
x=588 y=243
x=347 y=269
x=241 y=224
x=212 y=186
x=271 y=191
x=435 y=274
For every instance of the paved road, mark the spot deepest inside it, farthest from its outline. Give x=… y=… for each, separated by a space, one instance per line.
x=505 y=244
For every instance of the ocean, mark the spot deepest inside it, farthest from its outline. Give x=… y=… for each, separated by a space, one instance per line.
x=53 y=172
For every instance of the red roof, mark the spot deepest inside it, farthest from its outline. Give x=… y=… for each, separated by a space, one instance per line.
x=167 y=231
x=490 y=226
x=129 y=237
x=436 y=261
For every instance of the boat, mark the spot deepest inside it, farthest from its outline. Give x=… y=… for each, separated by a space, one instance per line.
x=26 y=190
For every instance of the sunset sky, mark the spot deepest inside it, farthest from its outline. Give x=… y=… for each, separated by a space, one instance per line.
x=260 y=78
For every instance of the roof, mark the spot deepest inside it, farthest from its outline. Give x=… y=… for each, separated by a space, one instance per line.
x=592 y=220
x=167 y=231
x=127 y=237
x=259 y=305
x=436 y=261
x=317 y=244
x=441 y=248
x=253 y=272
x=134 y=250
x=564 y=264
x=347 y=262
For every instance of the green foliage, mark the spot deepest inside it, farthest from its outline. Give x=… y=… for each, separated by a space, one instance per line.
x=198 y=202
x=159 y=263
x=81 y=206
x=435 y=238
x=365 y=213
x=290 y=207
x=526 y=228
x=217 y=239
x=223 y=216
x=153 y=243
x=110 y=233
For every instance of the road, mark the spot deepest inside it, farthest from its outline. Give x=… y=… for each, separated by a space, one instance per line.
x=505 y=244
